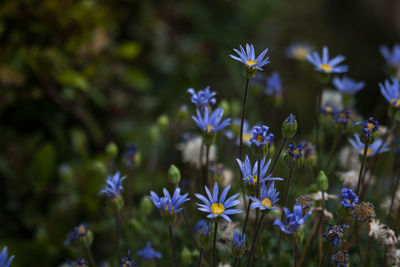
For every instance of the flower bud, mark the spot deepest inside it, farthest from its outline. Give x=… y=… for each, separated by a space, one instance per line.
x=112 y=149
x=182 y=113
x=163 y=121
x=289 y=127
x=186 y=256
x=238 y=244
x=146 y=205
x=118 y=202
x=174 y=175
x=224 y=105
x=322 y=181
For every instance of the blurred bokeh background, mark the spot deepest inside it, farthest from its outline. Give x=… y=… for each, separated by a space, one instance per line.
x=77 y=75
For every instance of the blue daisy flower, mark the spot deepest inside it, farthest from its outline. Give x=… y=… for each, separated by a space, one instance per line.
x=113 y=186
x=296 y=151
x=236 y=132
x=261 y=136
x=221 y=207
x=372 y=148
x=127 y=261
x=211 y=124
x=349 y=198
x=274 y=85
x=249 y=59
x=203 y=98
x=391 y=91
x=293 y=220
x=299 y=51
x=341 y=258
x=148 y=253
x=250 y=174
x=238 y=239
x=347 y=85
x=4 y=262
x=267 y=199
x=369 y=127
x=168 y=205
x=335 y=234
x=392 y=57
x=130 y=155
x=326 y=65
x=79 y=231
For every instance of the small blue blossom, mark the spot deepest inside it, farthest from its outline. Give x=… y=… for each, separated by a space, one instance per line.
x=369 y=127
x=349 y=198
x=148 y=253
x=221 y=207
x=326 y=65
x=299 y=51
x=372 y=148
x=274 y=85
x=211 y=124
x=392 y=57
x=347 y=85
x=203 y=98
x=267 y=199
x=238 y=239
x=335 y=234
x=4 y=262
x=391 y=91
x=341 y=258
x=77 y=263
x=293 y=220
x=79 y=231
x=250 y=174
x=291 y=119
x=205 y=229
x=249 y=59
x=342 y=117
x=233 y=133
x=199 y=225
x=168 y=205
x=296 y=151
x=261 y=136
x=130 y=155
x=113 y=186
x=329 y=110
x=127 y=261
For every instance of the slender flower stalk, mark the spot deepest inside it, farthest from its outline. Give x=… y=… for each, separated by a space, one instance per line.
x=205 y=182
x=246 y=88
x=200 y=257
x=117 y=231
x=214 y=244
x=295 y=257
x=362 y=166
x=89 y=250
x=255 y=236
x=171 y=238
x=284 y=141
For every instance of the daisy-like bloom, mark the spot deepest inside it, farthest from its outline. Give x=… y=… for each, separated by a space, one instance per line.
x=203 y=98
x=305 y=202
x=341 y=258
x=299 y=51
x=4 y=260
x=130 y=155
x=78 y=263
x=296 y=151
x=347 y=85
x=235 y=132
x=328 y=110
x=250 y=174
x=248 y=57
x=293 y=220
x=267 y=199
x=392 y=57
x=274 y=85
x=372 y=148
x=77 y=233
x=326 y=65
x=148 y=253
x=342 y=117
x=369 y=127
x=382 y=233
x=113 y=186
x=391 y=91
x=238 y=242
x=349 y=198
x=261 y=136
x=168 y=205
x=363 y=211
x=218 y=207
x=335 y=234
x=211 y=124
x=127 y=261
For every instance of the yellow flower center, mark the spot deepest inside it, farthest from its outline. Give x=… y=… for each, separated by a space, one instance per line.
x=370 y=126
x=369 y=151
x=260 y=138
x=81 y=229
x=296 y=151
x=246 y=137
x=300 y=53
x=166 y=209
x=209 y=128
x=255 y=178
x=326 y=67
x=251 y=63
x=217 y=208
x=395 y=102
x=266 y=202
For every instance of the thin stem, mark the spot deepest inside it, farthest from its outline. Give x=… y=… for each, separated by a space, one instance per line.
x=171 y=238
x=207 y=162
x=117 y=232
x=308 y=242
x=277 y=155
x=258 y=176
x=319 y=100
x=333 y=147
x=321 y=217
x=254 y=240
x=285 y=204
x=247 y=217
x=246 y=88
x=214 y=244
x=295 y=254
x=362 y=167
x=190 y=229
x=89 y=251
x=200 y=257
x=201 y=161
x=327 y=248
x=236 y=262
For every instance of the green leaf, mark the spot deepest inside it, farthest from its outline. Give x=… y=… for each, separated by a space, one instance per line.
x=73 y=79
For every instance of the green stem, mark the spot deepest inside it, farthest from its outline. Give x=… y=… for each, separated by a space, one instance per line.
x=254 y=240
x=117 y=232
x=246 y=88
x=89 y=251
x=171 y=238
x=362 y=167
x=278 y=155
x=214 y=244
x=331 y=152
x=207 y=162
x=200 y=257
x=295 y=254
